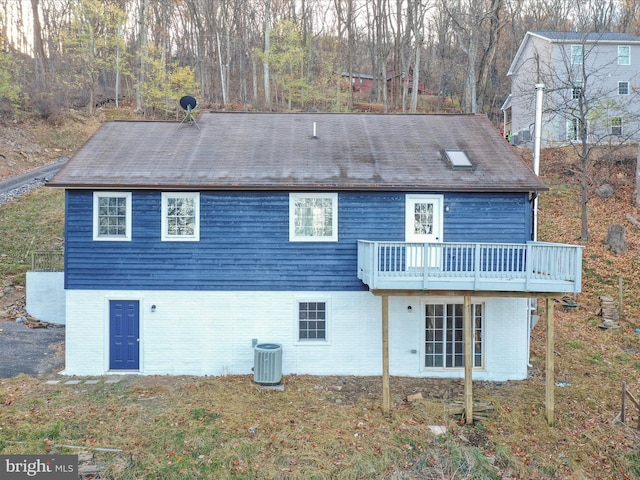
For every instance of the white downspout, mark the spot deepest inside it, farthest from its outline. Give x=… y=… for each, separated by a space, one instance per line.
x=536 y=169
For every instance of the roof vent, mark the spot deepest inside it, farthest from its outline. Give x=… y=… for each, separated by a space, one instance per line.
x=458 y=160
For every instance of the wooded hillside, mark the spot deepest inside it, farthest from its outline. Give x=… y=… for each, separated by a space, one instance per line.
x=402 y=55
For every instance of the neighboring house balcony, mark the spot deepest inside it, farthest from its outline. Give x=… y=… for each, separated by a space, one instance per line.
x=535 y=267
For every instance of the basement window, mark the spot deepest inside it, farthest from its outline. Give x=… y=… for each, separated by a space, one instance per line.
x=458 y=160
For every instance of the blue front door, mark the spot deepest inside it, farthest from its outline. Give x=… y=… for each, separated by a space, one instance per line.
x=124 y=334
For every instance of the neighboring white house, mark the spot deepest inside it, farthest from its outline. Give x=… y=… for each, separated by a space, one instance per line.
x=591 y=76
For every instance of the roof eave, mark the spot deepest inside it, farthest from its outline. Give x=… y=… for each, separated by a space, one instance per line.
x=306 y=187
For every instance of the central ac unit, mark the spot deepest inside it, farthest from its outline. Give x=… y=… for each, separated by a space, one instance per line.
x=267 y=365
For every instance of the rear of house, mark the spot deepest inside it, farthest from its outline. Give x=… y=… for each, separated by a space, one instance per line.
x=187 y=245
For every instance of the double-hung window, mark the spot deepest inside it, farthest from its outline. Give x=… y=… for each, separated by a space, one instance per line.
x=313 y=217
x=444 y=335
x=312 y=319
x=181 y=216
x=576 y=54
x=112 y=216
x=624 y=55
x=616 y=126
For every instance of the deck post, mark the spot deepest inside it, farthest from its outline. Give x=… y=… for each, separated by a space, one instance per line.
x=386 y=393
x=468 y=361
x=550 y=367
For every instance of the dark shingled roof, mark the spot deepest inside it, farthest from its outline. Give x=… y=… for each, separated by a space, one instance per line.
x=267 y=151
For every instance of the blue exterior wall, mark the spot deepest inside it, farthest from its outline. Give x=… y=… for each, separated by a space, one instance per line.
x=244 y=240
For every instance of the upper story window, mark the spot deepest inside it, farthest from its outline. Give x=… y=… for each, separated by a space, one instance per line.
x=576 y=54
x=623 y=88
x=624 y=55
x=181 y=216
x=112 y=216
x=313 y=217
x=576 y=91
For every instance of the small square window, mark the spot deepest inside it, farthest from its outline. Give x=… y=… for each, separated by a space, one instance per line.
x=181 y=216
x=576 y=91
x=576 y=54
x=313 y=217
x=623 y=88
x=624 y=55
x=112 y=216
x=312 y=321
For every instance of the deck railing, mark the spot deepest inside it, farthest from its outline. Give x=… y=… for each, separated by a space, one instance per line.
x=528 y=267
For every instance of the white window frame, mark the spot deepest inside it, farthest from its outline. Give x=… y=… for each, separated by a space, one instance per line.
x=626 y=84
x=481 y=332
x=295 y=237
x=577 y=54
x=624 y=58
x=571 y=128
x=297 y=320
x=166 y=236
x=96 y=217
x=617 y=125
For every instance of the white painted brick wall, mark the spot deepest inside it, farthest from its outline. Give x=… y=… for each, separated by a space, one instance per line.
x=210 y=333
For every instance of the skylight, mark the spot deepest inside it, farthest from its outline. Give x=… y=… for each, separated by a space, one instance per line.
x=458 y=159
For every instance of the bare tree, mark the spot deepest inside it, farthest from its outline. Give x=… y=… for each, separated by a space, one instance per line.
x=596 y=114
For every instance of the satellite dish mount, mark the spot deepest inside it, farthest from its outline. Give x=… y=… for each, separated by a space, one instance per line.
x=188 y=103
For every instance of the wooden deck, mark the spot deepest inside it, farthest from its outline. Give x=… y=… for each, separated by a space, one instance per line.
x=535 y=267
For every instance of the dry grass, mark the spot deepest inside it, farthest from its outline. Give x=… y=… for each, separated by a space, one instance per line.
x=332 y=427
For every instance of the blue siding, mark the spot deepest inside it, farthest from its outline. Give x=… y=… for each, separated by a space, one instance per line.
x=244 y=241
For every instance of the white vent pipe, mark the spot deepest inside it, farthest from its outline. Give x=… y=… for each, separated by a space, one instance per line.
x=536 y=152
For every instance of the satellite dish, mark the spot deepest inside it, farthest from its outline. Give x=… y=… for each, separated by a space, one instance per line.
x=189 y=103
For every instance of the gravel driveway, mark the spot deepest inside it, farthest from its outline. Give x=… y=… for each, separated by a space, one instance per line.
x=32 y=351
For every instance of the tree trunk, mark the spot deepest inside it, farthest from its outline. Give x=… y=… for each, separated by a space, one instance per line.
x=142 y=52
x=38 y=48
x=638 y=177
x=490 y=53
x=267 y=48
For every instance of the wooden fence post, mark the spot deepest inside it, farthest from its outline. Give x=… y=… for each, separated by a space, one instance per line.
x=624 y=401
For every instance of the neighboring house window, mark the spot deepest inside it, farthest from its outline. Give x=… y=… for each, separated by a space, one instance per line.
x=616 y=126
x=181 y=216
x=112 y=216
x=576 y=91
x=444 y=335
x=576 y=54
x=312 y=321
x=623 y=88
x=573 y=129
x=624 y=55
x=313 y=217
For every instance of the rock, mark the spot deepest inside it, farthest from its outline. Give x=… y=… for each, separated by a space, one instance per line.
x=415 y=397
x=605 y=191
x=616 y=240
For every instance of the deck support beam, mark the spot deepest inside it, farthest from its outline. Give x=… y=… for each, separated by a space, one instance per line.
x=550 y=365
x=468 y=361
x=386 y=389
